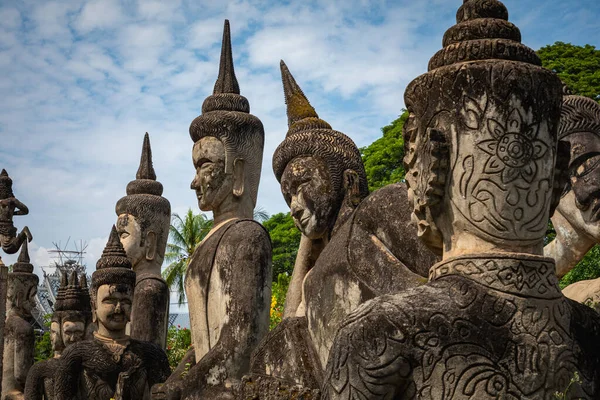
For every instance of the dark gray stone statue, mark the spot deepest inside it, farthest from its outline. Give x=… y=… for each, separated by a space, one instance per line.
x=112 y=365
x=143 y=226
x=10 y=206
x=19 y=339
x=482 y=159
x=69 y=323
x=228 y=280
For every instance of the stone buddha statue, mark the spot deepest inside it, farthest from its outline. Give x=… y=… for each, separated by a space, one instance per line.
x=322 y=180
x=112 y=365
x=481 y=157
x=143 y=226
x=19 y=339
x=577 y=217
x=72 y=314
x=9 y=207
x=228 y=279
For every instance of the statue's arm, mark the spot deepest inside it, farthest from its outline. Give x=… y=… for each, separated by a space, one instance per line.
x=21 y=209
x=358 y=368
x=67 y=373
x=24 y=354
x=34 y=386
x=246 y=251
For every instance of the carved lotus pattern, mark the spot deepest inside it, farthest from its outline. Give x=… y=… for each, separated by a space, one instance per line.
x=513 y=149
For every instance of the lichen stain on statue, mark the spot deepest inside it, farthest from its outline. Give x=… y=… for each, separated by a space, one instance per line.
x=111 y=365
x=482 y=132
x=577 y=217
x=11 y=206
x=19 y=339
x=228 y=280
x=69 y=324
x=143 y=226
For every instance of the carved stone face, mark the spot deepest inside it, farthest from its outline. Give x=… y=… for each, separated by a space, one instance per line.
x=55 y=337
x=21 y=295
x=130 y=234
x=213 y=185
x=581 y=205
x=307 y=189
x=72 y=332
x=113 y=306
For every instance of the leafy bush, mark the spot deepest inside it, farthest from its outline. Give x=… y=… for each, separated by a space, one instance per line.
x=179 y=340
x=278 y=292
x=43 y=345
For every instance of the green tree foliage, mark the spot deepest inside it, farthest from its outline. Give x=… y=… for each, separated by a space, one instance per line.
x=286 y=240
x=179 y=340
x=43 y=345
x=577 y=66
x=278 y=293
x=383 y=158
x=185 y=235
x=588 y=268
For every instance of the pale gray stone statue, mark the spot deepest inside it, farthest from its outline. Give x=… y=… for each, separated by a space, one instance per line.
x=577 y=217
x=19 y=339
x=143 y=225
x=228 y=280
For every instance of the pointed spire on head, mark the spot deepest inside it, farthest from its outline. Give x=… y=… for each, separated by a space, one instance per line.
x=226 y=94
x=301 y=115
x=2 y=263
x=23 y=263
x=145 y=182
x=61 y=292
x=226 y=82
x=83 y=282
x=4 y=173
x=63 y=279
x=74 y=281
x=114 y=255
x=146 y=170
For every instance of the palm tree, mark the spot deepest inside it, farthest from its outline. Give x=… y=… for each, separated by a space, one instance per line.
x=260 y=214
x=185 y=235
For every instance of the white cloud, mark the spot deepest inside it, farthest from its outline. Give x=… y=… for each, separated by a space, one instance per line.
x=99 y=14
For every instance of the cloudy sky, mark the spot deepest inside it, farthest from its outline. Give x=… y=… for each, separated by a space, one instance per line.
x=81 y=82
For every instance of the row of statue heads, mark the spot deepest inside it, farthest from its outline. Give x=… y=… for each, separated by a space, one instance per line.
x=433 y=288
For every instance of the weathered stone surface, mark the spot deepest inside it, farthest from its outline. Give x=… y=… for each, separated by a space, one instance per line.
x=69 y=324
x=322 y=180
x=111 y=365
x=9 y=207
x=19 y=339
x=577 y=217
x=143 y=224
x=228 y=280
x=269 y=388
x=376 y=252
x=3 y=293
x=482 y=158
x=287 y=353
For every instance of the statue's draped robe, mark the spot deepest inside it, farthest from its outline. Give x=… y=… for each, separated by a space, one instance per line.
x=150 y=310
x=19 y=343
x=228 y=286
x=87 y=370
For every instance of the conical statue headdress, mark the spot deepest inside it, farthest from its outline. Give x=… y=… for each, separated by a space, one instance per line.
x=113 y=267
x=23 y=269
x=143 y=199
x=308 y=135
x=226 y=117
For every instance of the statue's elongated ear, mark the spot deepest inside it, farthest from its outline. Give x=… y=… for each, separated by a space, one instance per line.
x=150 y=245
x=351 y=189
x=238 y=176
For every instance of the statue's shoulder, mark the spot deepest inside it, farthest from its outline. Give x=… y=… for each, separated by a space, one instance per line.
x=79 y=352
x=247 y=230
x=18 y=326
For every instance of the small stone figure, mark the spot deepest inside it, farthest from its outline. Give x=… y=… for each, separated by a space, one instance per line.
x=19 y=339
x=577 y=217
x=111 y=365
x=228 y=280
x=9 y=207
x=72 y=314
x=482 y=164
x=322 y=180
x=143 y=225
